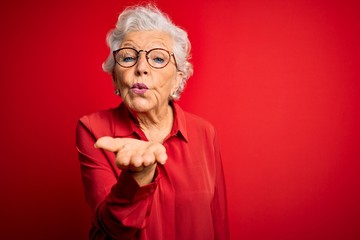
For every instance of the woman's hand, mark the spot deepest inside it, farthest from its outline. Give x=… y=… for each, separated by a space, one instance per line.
x=140 y=157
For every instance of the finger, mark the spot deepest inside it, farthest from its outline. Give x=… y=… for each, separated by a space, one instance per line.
x=162 y=158
x=108 y=143
x=122 y=163
x=160 y=155
x=123 y=159
x=148 y=158
x=136 y=160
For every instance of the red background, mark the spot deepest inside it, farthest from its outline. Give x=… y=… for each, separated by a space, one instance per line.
x=278 y=79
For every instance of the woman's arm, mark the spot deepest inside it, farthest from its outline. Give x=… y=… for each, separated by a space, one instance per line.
x=118 y=203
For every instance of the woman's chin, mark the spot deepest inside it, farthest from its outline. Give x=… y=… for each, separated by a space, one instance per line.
x=139 y=105
x=143 y=104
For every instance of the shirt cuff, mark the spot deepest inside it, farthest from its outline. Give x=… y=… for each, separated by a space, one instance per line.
x=130 y=189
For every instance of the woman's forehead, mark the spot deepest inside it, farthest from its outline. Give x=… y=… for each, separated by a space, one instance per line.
x=145 y=39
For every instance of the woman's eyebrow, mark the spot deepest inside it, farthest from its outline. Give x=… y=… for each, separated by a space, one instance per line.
x=154 y=44
x=127 y=44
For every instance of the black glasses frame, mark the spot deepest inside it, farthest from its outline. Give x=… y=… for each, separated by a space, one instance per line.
x=146 y=56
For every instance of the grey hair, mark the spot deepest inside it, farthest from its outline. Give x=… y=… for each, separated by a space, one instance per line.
x=146 y=18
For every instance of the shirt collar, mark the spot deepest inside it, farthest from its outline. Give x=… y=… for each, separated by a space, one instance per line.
x=179 y=125
x=125 y=124
x=122 y=123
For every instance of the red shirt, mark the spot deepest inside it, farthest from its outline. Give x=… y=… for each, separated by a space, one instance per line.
x=186 y=200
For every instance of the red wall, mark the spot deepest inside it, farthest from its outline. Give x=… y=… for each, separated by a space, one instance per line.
x=278 y=79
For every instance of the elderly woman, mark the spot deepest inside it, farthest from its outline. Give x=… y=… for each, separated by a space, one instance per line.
x=151 y=170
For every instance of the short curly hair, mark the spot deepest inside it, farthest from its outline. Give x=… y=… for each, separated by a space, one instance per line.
x=145 y=18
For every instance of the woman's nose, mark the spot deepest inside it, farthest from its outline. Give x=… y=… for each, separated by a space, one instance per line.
x=142 y=66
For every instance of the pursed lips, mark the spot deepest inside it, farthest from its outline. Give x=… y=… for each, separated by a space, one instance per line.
x=139 y=88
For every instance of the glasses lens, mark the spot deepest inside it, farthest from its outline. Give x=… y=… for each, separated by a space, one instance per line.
x=158 y=58
x=126 y=57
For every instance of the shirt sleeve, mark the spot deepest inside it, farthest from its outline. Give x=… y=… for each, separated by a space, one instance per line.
x=119 y=205
x=219 y=202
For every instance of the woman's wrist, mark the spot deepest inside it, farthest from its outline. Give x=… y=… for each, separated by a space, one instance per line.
x=144 y=176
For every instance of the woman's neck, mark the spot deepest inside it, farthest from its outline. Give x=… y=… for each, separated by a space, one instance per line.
x=156 y=124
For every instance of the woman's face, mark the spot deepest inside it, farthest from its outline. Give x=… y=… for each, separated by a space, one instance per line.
x=142 y=87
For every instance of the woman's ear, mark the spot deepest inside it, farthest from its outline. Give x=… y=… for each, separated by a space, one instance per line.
x=179 y=78
x=176 y=86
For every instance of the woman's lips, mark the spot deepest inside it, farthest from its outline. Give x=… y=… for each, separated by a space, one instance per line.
x=139 y=88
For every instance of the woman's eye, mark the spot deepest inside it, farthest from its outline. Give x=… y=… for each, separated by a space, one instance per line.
x=158 y=60
x=128 y=59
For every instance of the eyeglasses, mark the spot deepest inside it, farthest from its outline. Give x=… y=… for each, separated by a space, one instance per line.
x=156 y=57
